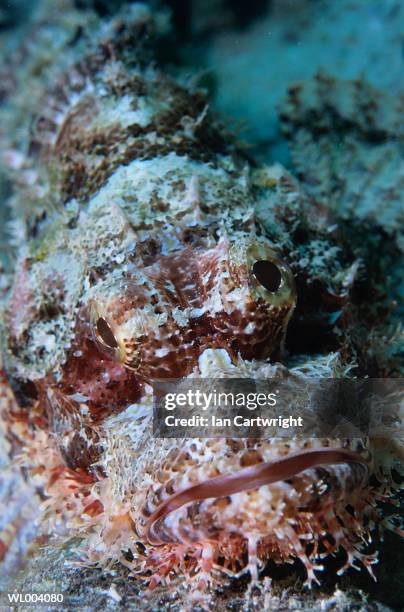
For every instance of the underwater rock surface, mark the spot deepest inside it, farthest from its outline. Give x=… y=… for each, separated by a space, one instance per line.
x=254 y=65
x=90 y=589
x=137 y=222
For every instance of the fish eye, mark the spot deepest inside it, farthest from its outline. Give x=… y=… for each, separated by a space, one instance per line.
x=267 y=274
x=105 y=334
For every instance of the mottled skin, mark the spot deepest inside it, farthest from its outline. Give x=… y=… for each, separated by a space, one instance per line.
x=146 y=270
x=160 y=320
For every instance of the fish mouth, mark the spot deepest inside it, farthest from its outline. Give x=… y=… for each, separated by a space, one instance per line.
x=250 y=478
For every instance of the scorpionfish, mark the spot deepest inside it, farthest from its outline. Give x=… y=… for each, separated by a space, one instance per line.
x=144 y=256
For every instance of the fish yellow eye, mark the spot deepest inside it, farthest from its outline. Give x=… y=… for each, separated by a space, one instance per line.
x=267 y=274
x=270 y=278
x=105 y=334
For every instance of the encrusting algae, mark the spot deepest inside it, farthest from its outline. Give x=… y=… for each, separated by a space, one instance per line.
x=148 y=248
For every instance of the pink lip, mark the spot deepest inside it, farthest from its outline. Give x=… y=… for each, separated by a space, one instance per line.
x=250 y=478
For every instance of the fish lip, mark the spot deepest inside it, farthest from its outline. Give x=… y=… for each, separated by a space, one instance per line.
x=249 y=478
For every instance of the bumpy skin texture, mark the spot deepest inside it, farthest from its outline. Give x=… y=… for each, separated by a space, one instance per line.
x=146 y=270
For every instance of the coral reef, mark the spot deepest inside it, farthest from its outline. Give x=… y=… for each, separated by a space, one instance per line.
x=149 y=246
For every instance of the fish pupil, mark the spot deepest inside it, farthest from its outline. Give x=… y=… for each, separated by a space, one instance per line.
x=105 y=333
x=267 y=274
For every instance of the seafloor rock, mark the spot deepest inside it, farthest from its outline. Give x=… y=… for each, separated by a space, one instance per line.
x=253 y=68
x=49 y=569
x=347 y=143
